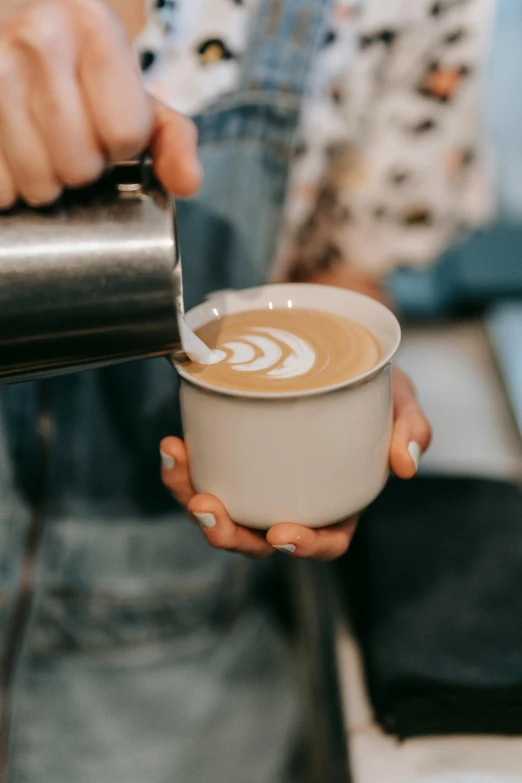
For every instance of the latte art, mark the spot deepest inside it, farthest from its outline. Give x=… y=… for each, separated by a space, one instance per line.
x=256 y=352
x=284 y=350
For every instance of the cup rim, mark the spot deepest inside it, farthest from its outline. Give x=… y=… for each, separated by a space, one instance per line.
x=289 y=395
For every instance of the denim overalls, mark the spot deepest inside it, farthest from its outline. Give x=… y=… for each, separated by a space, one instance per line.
x=131 y=651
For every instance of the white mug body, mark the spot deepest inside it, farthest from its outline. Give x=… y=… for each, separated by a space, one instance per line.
x=314 y=457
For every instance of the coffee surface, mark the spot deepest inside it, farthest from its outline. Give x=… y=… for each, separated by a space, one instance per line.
x=284 y=350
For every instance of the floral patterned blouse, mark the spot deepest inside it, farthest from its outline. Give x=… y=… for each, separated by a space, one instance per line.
x=390 y=164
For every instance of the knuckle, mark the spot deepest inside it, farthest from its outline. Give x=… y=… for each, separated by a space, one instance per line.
x=166 y=480
x=216 y=542
x=96 y=20
x=94 y=14
x=169 y=485
x=40 y=30
x=8 y=193
x=7 y=199
x=41 y=196
x=8 y=70
x=83 y=172
x=424 y=430
x=428 y=434
x=213 y=543
x=188 y=128
x=127 y=142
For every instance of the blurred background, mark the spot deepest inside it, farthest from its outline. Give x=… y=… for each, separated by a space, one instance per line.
x=431 y=677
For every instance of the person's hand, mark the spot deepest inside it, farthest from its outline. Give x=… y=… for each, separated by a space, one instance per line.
x=72 y=100
x=411 y=437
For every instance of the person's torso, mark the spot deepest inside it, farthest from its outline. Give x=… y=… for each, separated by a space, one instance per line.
x=90 y=541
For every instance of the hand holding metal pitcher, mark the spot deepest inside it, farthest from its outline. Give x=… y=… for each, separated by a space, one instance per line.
x=92 y=279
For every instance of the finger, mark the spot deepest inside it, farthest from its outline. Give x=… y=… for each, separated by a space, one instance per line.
x=61 y=116
x=175 y=470
x=20 y=141
x=411 y=430
x=324 y=544
x=7 y=185
x=120 y=108
x=222 y=533
x=49 y=56
x=175 y=152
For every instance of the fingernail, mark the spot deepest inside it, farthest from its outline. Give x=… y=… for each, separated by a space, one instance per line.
x=287 y=549
x=167 y=461
x=208 y=521
x=415 y=453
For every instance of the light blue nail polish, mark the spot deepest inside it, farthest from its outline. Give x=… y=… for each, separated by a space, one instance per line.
x=287 y=549
x=167 y=461
x=415 y=453
x=208 y=521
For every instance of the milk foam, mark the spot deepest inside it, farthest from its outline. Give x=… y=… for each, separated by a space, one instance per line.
x=283 y=349
x=242 y=356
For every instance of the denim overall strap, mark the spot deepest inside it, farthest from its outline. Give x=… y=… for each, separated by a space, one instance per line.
x=285 y=37
x=229 y=233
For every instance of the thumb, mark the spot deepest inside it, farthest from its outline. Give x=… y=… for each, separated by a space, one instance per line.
x=411 y=428
x=174 y=148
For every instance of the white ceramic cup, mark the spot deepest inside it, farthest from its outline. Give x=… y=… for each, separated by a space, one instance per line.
x=312 y=457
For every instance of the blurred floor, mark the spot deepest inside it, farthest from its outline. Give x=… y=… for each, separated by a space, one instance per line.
x=456 y=376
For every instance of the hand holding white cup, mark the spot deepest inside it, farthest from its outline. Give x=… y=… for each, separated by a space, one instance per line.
x=298 y=464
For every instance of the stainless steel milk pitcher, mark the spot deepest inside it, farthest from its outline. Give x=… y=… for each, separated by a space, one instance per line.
x=93 y=280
